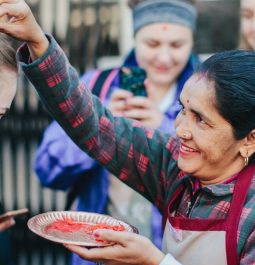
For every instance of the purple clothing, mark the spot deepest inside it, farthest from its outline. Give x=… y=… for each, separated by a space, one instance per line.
x=60 y=164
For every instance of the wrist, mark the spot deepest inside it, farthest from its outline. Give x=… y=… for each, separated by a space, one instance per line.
x=157 y=258
x=39 y=47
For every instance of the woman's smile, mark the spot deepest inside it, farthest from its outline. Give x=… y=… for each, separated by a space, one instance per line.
x=162 y=69
x=187 y=151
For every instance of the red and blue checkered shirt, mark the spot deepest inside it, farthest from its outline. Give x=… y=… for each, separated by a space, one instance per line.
x=144 y=159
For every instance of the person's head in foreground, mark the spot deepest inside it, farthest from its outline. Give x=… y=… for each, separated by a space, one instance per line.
x=8 y=74
x=247 y=27
x=163 y=31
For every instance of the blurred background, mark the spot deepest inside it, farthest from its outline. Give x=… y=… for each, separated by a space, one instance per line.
x=93 y=33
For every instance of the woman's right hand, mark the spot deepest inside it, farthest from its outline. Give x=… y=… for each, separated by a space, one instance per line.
x=128 y=248
x=7 y=223
x=21 y=24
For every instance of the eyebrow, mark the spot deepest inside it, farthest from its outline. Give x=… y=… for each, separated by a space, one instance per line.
x=204 y=117
x=198 y=113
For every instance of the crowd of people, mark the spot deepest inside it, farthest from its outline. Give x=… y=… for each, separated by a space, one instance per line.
x=186 y=149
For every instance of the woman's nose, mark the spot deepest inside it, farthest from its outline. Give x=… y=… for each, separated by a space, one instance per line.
x=165 y=55
x=186 y=135
x=183 y=133
x=182 y=129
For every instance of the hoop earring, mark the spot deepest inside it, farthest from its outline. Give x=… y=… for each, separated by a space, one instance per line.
x=246 y=161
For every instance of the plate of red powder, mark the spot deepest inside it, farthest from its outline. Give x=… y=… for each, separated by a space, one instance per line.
x=77 y=228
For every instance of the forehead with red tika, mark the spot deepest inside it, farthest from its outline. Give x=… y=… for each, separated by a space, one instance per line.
x=164 y=11
x=165 y=26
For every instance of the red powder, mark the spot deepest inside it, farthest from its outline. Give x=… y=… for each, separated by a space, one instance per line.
x=70 y=226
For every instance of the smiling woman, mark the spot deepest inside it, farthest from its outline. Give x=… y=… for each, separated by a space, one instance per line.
x=196 y=180
x=210 y=129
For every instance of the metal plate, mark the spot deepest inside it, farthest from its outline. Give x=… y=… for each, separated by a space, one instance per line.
x=39 y=223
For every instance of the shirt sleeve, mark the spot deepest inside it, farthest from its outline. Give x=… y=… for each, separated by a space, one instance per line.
x=141 y=157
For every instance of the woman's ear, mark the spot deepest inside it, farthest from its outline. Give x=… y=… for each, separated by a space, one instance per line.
x=248 y=148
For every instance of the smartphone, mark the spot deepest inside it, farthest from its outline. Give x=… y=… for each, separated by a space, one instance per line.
x=13 y=213
x=132 y=79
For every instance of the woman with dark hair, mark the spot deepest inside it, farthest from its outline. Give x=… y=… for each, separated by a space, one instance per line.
x=203 y=180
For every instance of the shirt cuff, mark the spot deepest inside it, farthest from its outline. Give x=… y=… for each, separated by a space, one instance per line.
x=169 y=260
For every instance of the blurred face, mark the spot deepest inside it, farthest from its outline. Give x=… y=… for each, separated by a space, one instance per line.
x=208 y=149
x=8 y=80
x=163 y=50
x=248 y=22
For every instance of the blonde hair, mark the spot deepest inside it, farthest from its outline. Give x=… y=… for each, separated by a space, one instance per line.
x=7 y=52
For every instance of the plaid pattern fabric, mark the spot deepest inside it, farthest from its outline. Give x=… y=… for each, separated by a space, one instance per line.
x=142 y=158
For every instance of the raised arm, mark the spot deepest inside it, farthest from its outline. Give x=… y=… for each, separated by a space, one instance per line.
x=123 y=146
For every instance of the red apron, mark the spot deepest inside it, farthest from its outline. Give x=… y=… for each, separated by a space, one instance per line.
x=207 y=241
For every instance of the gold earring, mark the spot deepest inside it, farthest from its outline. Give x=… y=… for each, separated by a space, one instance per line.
x=246 y=160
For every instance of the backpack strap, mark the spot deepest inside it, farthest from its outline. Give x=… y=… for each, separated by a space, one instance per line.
x=99 y=87
x=103 y=82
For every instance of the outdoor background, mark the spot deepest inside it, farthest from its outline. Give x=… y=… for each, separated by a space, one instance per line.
x=93 y=33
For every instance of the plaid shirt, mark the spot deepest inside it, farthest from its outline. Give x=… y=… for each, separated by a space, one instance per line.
x=143 y=158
